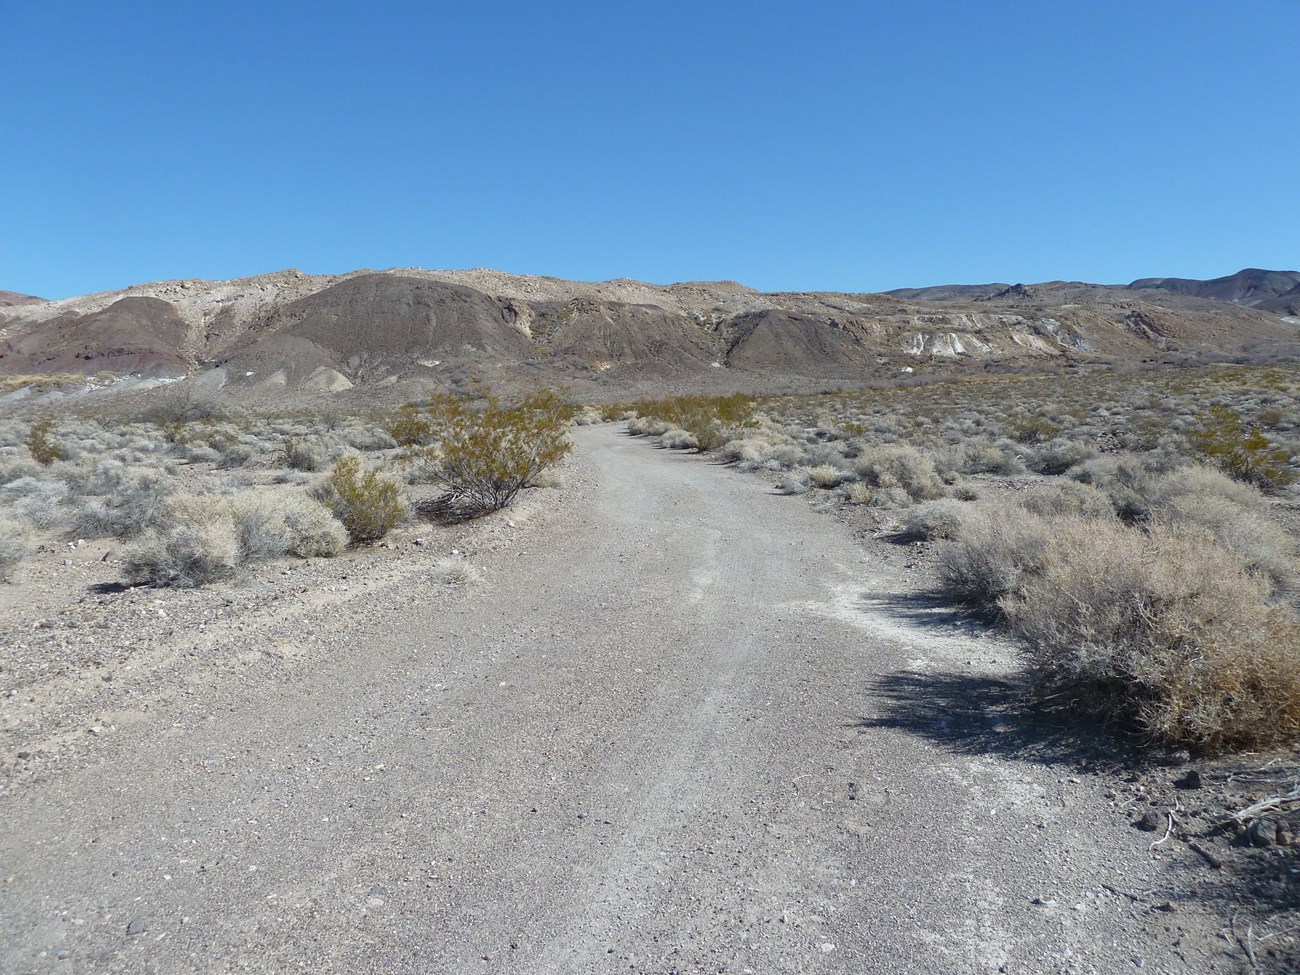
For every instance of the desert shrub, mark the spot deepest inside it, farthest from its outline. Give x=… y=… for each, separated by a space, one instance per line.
x=15 y=546
x=411 y=428
x=1125 y=478
x=900 y=466
x=890 y=498
x=712 y=420
x=1242 y=452
x=271 y=523
x=195 y=544
x=677 y=439
x=12 y=468
x=42 y=445
x=129 y=502
x=648 y=426
x=941 y=518
x=455 y=572
x=858 y=493
x=312 y=529
x=1160 y=629
x=994 y=549
x=1262 y=544
x=1067 y=498
x=483 y=458
x=1061 y=454
x=303 y=455
x=368 y=503
x=827 y=476
x=35 y=501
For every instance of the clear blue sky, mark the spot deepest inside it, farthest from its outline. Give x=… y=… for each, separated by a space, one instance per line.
x=845 y=146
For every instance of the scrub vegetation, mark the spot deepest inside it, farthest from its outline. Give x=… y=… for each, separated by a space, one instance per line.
x=1136 y=530
x=199 y=495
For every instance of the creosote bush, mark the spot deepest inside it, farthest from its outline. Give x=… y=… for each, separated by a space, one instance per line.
x=484 y=457
x=710 y=420
x=368 y=503
x=1242 y=452
x=41 y=444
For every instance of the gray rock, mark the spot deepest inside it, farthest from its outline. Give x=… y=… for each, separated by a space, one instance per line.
x=1262 y=832
x=1192 y=780
x=136 y=926
x=1150 y=821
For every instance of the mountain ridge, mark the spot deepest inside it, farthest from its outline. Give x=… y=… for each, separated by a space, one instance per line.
x=401 y=328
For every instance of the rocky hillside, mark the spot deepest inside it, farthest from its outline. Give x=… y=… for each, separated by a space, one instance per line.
x=1252 y=287
x=9 y=299
x=391 y=332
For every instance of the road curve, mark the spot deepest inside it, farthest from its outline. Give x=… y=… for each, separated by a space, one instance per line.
x=686 y=730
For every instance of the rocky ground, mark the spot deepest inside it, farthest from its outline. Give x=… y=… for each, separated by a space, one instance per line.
x=677 y=724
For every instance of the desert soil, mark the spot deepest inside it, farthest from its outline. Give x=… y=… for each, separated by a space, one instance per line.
x=681 y=724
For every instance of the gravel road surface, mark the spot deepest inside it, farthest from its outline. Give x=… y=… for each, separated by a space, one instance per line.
x=684 y=725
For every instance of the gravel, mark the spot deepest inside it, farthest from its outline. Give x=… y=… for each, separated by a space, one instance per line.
x=679 y=724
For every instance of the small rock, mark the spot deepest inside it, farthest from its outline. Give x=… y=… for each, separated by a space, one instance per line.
x=135 y=926
x=1044 y=901
x=24 y=756
x=1150 y=821
x=1192 y=780
x=1262 y=832
x=1167 y=907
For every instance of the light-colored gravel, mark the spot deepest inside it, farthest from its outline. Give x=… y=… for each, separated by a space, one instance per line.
x=680 y=724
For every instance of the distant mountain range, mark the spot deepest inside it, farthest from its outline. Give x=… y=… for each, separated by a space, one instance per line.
x=1275 y=291
x=394 y=332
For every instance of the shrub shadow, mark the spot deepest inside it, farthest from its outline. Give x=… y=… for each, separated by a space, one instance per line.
x=110 y=588
x=975 y=714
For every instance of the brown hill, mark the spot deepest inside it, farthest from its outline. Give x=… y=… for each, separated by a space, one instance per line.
x=10 y=299
x=392 y=333
x=132 y=335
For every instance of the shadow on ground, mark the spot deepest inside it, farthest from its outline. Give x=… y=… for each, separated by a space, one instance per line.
x=975 y=713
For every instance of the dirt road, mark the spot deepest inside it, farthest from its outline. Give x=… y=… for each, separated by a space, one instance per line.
x=688 y=726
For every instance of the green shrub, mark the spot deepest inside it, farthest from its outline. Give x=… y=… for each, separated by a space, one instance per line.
x=45 y=450
x=711 y=420
x=484 y=457
x=1243 y=453
x=368 y=503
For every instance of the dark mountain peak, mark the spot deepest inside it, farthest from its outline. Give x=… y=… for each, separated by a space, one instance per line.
x=1015 y=291
x=1250 y=286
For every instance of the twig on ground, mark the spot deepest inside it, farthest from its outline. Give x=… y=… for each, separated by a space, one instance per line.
x=1135 y=898
x=1267 y=804
x=1170 y=829
x=1206 y=855
x=1247 y=944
